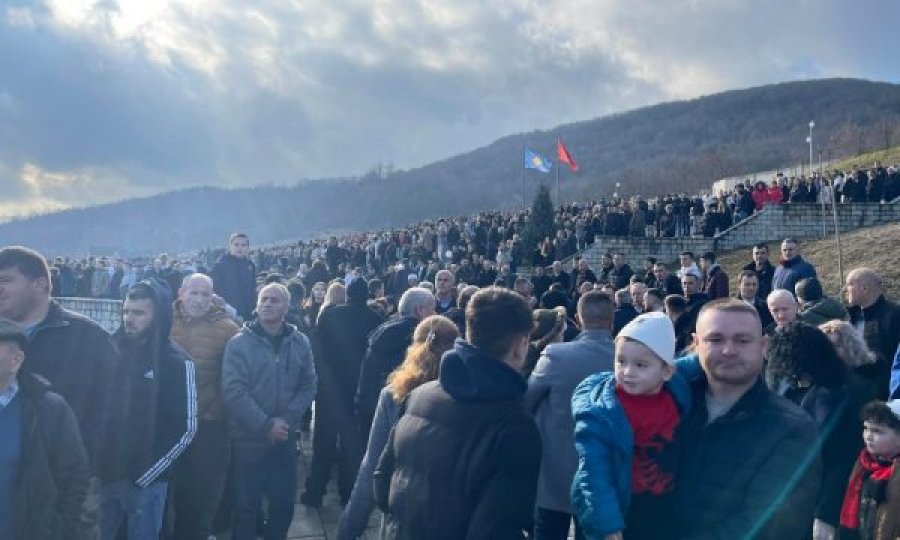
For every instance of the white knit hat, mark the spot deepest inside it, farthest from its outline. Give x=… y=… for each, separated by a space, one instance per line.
x=655 y=331
x=894 y=406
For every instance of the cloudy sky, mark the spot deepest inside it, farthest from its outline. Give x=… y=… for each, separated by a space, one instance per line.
x=106 y=99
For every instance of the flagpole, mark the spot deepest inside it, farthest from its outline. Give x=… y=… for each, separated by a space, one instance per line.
x=558 y=200
x=522 y=175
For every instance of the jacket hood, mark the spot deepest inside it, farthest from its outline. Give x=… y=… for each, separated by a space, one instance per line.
x=255 y=327
x=468 y=374
x=161 y=296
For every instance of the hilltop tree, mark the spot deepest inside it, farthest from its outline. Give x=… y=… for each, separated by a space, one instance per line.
x=541 y=222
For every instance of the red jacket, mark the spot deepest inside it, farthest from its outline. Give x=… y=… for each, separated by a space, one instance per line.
x=776 y=195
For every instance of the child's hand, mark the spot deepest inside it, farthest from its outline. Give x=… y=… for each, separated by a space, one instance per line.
x=614 y=536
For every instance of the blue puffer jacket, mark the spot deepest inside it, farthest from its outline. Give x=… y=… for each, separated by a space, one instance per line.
x=601 y=491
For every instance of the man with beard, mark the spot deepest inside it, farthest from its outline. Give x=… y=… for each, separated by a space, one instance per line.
x=234 y=276
x=158 y=418
x=71 y=351
x=203 y=329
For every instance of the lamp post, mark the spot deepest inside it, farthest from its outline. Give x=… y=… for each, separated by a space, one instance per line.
x=809 y=140
x=616 y=192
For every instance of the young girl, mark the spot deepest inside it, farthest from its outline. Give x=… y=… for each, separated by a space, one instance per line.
x=629 y=417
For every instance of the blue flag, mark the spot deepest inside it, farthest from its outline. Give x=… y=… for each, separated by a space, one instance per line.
x=533 y=160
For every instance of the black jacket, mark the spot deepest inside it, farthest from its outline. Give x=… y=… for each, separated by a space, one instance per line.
x=235 y=280
x=387 y=348
x=765 y=279
x=620 y=277
x=343 y=332
x=158 y=417
x=736 y=469
x=79 y=359
x=462 y=462
x=881 y=329
x=622 y=316
x=53 y=479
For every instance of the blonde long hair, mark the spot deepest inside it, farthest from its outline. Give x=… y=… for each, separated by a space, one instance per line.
x=432 y=338
x=850 y=345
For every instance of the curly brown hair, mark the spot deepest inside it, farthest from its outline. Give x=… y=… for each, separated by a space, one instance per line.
x=431 y=339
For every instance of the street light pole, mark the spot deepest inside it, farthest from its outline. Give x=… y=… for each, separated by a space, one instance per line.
x=809 y=140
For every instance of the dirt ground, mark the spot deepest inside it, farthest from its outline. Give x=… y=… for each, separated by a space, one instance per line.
x=875 y=247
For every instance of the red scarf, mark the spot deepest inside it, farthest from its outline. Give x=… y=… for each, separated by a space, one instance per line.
x=653 y=420
x=868 y=467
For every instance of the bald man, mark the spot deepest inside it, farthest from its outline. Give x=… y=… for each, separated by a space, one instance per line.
x=268 y=383
x=879 y=321
x=202 y=329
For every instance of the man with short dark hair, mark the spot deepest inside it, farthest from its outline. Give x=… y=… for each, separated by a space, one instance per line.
x=620 y=275
x=715 y=280
x=763 y=269
x=684 y=326
x=749 y=467
x=158 y=417
x=665 y=281
x=558 y=371
x=688 y=265
x=748 y=287
x=463 y=460
x=68 y=349
x=234 y=276
x=792 y=267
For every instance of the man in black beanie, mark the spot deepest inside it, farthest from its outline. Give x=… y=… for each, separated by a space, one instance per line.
x=343 y=333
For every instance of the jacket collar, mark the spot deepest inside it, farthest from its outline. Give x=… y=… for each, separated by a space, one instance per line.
x=744 y=408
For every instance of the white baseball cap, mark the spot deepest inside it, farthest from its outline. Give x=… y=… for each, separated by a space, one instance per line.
x=654 y=330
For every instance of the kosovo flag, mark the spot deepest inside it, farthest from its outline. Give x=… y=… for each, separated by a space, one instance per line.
x=533 y=160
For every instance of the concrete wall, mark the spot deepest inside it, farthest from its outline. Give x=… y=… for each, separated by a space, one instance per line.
x=780 y=221
x=106 y=312
x=774 y=222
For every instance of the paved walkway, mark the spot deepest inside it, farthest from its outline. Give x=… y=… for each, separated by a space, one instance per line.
x=320 y=523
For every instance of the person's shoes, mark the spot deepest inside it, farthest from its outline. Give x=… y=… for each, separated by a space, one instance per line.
x=308 y=499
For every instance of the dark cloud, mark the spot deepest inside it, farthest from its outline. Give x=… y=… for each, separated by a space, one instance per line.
x=118 y=98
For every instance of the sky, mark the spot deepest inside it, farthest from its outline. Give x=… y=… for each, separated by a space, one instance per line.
x=102 y=100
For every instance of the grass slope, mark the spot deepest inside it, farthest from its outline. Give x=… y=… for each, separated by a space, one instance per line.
x=875 y=247
x=888 y=157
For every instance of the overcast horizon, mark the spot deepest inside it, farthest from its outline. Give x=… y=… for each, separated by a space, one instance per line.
x=105 y=100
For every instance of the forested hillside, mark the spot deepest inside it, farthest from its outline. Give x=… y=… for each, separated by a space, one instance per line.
x=679 y=146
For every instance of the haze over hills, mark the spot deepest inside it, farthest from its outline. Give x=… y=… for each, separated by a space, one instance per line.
x=678 y=146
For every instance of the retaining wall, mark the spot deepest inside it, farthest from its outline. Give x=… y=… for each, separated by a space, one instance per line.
x=774 y=222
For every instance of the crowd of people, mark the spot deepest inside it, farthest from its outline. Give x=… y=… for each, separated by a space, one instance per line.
x=489 y=244
x=626 y=403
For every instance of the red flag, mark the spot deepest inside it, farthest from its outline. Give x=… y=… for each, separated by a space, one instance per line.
x=564 y=156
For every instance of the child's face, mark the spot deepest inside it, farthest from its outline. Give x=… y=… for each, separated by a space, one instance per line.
x=881 y=441
x=638 y=370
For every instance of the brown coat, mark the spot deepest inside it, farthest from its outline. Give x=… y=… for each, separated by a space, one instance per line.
x=887 y=521
x=204 y=339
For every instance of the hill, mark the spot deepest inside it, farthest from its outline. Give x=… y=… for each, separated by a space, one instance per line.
x=857 y=250
x=679 y=146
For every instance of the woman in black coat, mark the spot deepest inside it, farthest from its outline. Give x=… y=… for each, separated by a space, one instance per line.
x=804 y=367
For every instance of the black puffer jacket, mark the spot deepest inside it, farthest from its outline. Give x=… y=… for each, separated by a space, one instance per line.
x=881 y=329
x=462 y=462
x=53 y=481
x=387 y=348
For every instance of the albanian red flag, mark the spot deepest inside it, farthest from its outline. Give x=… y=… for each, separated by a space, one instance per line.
x=564 y=156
